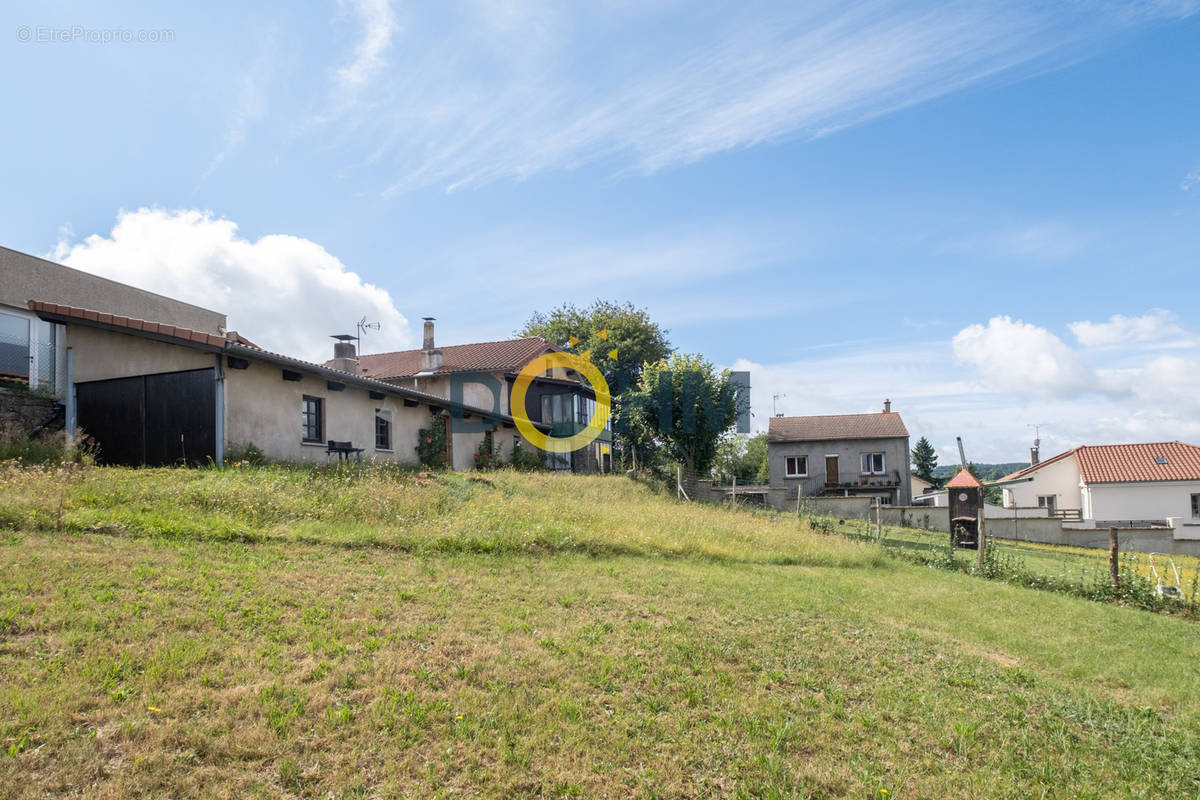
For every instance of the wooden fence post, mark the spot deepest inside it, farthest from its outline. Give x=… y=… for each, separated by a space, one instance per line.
x=733 y=494
x=878 y=519
x=980 y=536
x=1113 y=572
x=799 y=494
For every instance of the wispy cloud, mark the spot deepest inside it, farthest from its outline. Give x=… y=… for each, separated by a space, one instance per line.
x=379 y=25
x=527 y=87
x=1120 y=330
x=1045 y=241
x=1190 y=180
x=250 y=104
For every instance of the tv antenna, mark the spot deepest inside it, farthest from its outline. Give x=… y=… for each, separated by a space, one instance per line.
x=775 y=398
x=363 y=326
x=1037 y=432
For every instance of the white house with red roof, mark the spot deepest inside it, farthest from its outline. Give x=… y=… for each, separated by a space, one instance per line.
x=1100 y=485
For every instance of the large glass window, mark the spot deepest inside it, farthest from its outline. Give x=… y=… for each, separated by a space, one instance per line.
x=872 y=463
x=14 y=347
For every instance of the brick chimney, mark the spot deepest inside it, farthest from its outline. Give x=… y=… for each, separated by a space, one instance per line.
x=344 y=356
x=887 y=406
x=431 y=357
x=1033 y=456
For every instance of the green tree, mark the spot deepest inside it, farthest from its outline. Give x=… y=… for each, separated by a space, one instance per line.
x=637 y=339
x=742 y=456
x=685 y=405
x=924 y=459
x=755 y=461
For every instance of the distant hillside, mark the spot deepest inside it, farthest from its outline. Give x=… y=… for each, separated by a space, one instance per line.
x=987 y=472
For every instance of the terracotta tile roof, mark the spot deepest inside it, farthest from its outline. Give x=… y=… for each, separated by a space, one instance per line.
x=509 y=355
x=132 y=324
x=1123 y=463
x=964 y=479
x=840 y=426
x=239 y=345
x=1021 y=473
x=1128 y=463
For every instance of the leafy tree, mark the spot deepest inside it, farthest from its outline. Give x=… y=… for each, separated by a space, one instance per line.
x=755 y=461
x=637 y=339
x=924 y=459
x=742 y=456
x=685 y=406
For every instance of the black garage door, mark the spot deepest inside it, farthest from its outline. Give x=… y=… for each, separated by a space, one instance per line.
x=159 y=420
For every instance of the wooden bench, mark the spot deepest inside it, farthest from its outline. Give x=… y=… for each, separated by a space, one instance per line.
x=343 y=449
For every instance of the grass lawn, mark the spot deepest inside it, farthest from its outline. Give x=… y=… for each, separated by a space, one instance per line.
x=276 y=633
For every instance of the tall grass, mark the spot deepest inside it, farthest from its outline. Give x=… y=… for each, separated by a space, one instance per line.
x=388 y=507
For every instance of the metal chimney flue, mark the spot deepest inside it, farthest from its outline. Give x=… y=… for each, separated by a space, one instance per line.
x=887 y=406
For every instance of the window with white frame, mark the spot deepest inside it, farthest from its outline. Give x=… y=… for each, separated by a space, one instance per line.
x=872 y=463
x=383 y=429
x=1196 y=506
x=796 y=467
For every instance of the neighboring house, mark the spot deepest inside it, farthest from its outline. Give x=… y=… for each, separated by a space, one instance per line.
x=160 y=394
x=1098 y=485
x=919 y=486
x=482 y=375
x=32 y=349
x=846 y=454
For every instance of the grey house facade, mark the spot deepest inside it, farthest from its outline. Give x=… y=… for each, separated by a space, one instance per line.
x=848 y=455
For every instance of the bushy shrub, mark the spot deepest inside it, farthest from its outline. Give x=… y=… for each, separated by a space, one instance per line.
x=244 y=454
x=431 y=443
x=526 y=457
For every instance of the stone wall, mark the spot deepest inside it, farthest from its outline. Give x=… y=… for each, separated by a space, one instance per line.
x=21 y=413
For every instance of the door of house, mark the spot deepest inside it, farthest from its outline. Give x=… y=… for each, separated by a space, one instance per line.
x=831 y=470
x=157 y=420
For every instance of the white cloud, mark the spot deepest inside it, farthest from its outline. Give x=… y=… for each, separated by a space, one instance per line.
x=284 y=293
x=526 y=87
x=1121 y=330
x=1015 y=356
x=379 y=25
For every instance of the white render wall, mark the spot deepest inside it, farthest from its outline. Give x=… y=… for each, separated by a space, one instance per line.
x=98 y=354
x=264 y=409
x=1142 y=501
x=1060 y=479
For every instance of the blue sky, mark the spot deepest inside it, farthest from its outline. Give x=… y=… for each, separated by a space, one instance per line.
x=988 y=212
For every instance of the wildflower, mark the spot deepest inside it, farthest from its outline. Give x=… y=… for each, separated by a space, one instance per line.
x=154 y=709
x=458 y=716
x=960 y=708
